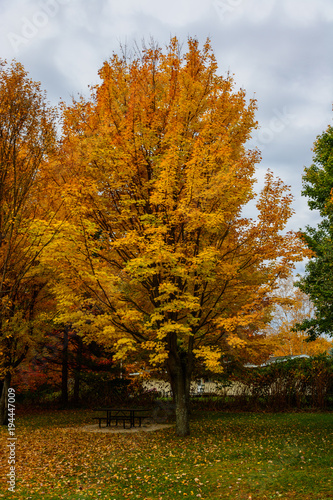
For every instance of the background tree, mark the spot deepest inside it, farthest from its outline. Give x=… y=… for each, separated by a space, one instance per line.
x=293 y=308
x=159 y=245
x=27 y=135
x=62 y=363
x=318 y=279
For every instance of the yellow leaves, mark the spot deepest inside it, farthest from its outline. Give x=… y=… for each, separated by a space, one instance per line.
x=169 y=327
x=159 y=353
x=234 y=341
x=166 y=289
x=140 y=268
x=130 y=315
x=123 y=347
x=274 y=204
x=156 y=178
x=211 y=358
x=251 y=313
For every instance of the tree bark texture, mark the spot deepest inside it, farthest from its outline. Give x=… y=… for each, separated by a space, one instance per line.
x=4 y=400
x=180 y=371
x=64 y=370
x=77 y=371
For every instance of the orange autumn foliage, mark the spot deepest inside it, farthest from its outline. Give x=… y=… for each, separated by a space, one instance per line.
x=27 y=135
x=158 y=244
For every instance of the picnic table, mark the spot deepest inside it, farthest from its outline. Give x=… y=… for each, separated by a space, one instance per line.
x=123 y=414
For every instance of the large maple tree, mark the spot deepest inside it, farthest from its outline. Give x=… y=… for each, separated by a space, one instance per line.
x=159 y=256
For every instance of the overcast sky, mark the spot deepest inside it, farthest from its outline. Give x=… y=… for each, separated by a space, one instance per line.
x=280 y=51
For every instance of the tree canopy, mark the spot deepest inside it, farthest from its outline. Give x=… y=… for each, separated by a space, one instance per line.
x=27 y=136
x=158 y=256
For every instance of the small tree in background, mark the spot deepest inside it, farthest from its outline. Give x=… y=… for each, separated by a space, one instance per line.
x=294 y=308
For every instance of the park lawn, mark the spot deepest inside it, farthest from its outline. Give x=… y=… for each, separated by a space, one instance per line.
x=236 y=456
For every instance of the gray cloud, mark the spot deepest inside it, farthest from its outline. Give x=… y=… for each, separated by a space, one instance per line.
x=278 y=50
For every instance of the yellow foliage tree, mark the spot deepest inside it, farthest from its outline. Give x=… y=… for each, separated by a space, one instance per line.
x=158 y=255
x=27 y=135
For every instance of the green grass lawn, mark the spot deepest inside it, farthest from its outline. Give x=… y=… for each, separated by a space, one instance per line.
x=236 y=456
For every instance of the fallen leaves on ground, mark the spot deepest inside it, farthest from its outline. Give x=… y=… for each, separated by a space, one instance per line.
x=227 y=456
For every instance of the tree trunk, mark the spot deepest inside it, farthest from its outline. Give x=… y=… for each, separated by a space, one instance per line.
x=182 y=400
x=4 y=400
x=180 y=370
x=77 y=371
x=64 y=370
